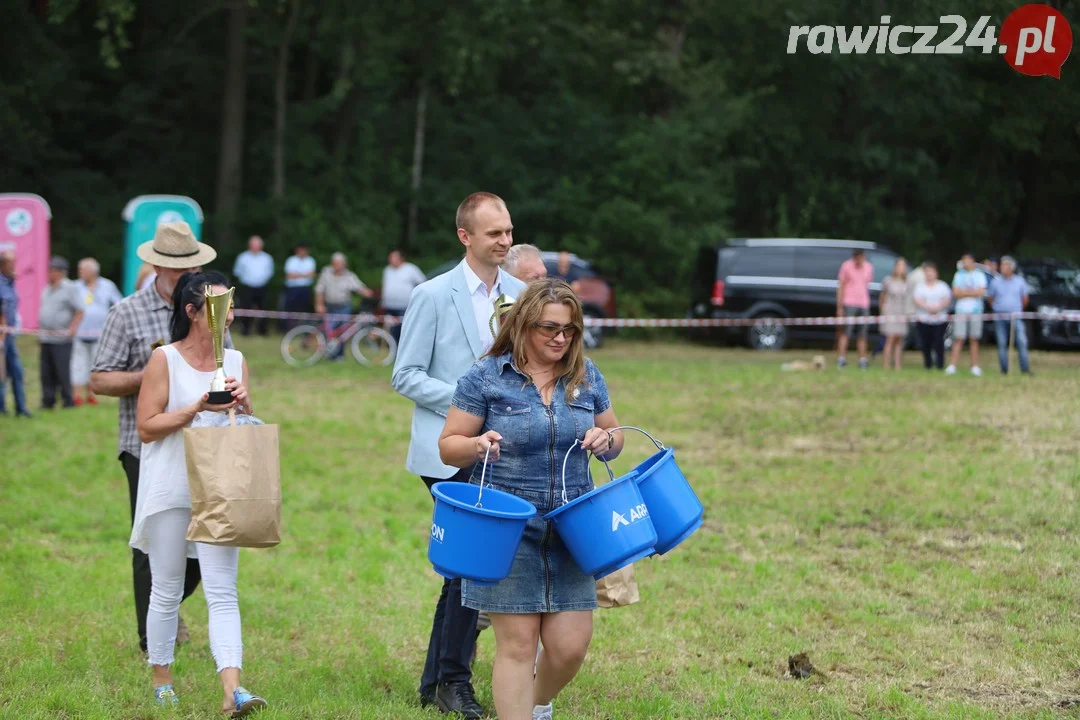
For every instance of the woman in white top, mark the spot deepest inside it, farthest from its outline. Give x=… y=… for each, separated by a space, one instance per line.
x=174 y=390
x=932 y=298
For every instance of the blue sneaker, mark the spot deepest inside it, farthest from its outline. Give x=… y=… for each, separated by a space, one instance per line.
x=165 y=696
x=246 y=703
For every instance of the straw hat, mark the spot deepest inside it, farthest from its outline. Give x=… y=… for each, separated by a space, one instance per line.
x=175 y=246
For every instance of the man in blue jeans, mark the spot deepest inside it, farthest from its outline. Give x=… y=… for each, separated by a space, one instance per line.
x=1008 y=293
x=9 y=305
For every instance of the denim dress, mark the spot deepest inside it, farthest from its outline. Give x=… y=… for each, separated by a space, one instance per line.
x=536 y=437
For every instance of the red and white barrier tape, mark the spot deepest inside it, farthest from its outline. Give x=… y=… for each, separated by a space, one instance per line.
x=371 y=319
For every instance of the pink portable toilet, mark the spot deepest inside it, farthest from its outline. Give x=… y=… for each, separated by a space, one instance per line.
x=24 y=228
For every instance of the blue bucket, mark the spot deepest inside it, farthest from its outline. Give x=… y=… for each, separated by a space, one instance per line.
x=608 y=527
x=475 y=531
x=675 y=510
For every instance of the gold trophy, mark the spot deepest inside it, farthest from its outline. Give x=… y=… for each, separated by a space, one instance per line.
x=217 y=312
x=503 y=304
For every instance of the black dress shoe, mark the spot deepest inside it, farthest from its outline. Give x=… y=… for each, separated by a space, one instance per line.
x=459 y=697
x=427 y=697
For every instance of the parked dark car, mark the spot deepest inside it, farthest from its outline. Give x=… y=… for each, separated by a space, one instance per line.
x=596 y=293
x=771 y=278
x=1055 y=286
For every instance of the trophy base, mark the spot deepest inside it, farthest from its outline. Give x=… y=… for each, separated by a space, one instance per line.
x=220 y=397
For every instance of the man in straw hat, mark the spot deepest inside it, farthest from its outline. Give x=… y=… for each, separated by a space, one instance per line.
x=133 y=328
x=448 y=325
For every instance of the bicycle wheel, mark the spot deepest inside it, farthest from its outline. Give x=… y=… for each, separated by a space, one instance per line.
x=303 y=346
x=374 y=346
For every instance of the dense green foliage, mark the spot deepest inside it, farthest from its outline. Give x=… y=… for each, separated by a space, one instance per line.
x=631 y=132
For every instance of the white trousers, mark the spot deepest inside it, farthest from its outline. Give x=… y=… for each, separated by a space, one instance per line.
x=166 y=532
x=82 y=359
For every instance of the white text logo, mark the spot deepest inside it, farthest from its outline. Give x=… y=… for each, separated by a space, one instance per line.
x=636 y=513
x=1035 y=39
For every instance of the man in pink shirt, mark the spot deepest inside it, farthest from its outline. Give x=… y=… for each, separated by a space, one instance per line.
x=853 y=300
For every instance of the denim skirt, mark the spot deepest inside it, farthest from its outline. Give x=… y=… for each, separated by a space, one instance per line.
x=544 y=577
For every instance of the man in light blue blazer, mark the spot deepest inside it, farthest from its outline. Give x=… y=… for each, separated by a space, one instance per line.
x=446 y=328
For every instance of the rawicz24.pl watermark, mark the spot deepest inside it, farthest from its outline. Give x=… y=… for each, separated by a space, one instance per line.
x=1034 y=39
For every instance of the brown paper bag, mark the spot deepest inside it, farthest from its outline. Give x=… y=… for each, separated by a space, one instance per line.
x=617 y=589
x=233 y=476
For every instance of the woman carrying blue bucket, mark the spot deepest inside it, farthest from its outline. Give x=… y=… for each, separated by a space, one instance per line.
x=524 y=405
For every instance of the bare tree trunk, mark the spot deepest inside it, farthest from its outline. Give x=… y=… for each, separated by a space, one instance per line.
x=231 y=168
x=418 y=164
x=311 y=70
x=349 y=107
x=281 y=102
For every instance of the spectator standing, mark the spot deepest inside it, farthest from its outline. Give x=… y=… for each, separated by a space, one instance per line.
x=398 y=280
x=9 y=313
x=299 y=279
x=969 y=287
x=253 y=269
x=853 y=300
x=334 y=291
x=525 y=263
x=60 y=314
x=932 y=298
x=1009 y=293
x=894 y=294
x=98 y=295
x=565 y=270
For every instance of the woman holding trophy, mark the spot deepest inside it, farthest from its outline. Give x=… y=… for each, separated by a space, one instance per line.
x=528 y=402
x=193 y=374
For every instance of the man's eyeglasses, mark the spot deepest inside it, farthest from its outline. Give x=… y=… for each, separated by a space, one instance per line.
x=551 y=330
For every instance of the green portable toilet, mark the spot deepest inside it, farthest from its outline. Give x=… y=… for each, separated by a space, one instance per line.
x=143 y=214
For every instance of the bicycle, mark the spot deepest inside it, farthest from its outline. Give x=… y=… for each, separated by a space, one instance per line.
x=305 y=345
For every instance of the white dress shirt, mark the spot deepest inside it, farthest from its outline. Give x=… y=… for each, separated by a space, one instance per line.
x=483 y=303
x=253 y=269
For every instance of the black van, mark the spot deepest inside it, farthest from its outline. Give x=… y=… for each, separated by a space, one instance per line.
x=772 y=278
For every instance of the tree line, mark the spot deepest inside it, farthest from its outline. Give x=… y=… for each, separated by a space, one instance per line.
x=631 y=132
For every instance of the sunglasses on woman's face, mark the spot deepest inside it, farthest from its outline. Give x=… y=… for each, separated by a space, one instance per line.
x=551 y=330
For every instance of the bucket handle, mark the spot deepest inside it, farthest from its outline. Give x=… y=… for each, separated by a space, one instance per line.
x=566 y=457
x=659 y=445
x=480 y=495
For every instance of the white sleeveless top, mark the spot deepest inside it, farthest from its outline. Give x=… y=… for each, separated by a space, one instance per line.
x=163 y=481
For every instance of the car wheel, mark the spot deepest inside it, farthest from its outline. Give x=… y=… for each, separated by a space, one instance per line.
x=766 y=333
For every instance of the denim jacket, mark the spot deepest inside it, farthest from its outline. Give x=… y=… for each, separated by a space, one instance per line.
x=535 y=437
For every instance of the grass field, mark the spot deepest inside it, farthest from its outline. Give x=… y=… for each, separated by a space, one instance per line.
x=915 y=534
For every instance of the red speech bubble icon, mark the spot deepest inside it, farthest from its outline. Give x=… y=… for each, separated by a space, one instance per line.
x=1036 y=40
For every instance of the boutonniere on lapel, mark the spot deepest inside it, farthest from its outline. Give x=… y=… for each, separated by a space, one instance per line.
x=502 y=307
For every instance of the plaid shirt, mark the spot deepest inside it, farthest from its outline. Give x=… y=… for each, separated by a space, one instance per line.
x=133 y=328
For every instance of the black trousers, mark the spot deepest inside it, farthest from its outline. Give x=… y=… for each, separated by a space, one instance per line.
x=56 y=374
x=395 y=329
x=298 y=300
x=140 y=561
x=453 y=630
x=252 y=298
x=932 y=339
